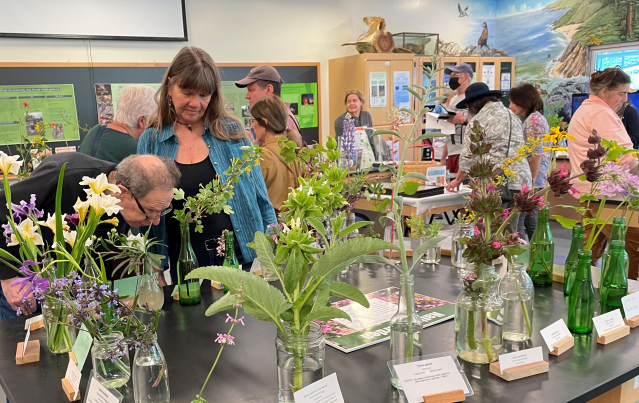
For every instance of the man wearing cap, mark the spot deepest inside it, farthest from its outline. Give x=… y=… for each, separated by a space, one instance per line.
x=263 y=81
x=460 y=77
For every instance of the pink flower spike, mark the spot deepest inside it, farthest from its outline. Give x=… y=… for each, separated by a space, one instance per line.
x=228 y=317
x=523 y=242
x=510 y=243
x=477 y=230
x=229 y=339
x=496 y=245
x=563 y=172
x=241 y=320
x=490 y=188
x=543 y=205
x=506 y=213
x=237 y=305
x=525 y=189
x=221 y=338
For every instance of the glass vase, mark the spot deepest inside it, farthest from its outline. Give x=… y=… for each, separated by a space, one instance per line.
x=432 y=255
x=150 y=294
x=581 y=303
x=457 y=248
x=189 y=290
x=614 y=283
x=115 y=373
x=406 y=326
x=478 y=339
x=230 y=260
x=616 y=234
x=570 y=267
x=542 y=252
x=150 y=373
x=300 y=360
x=60 y=337
x=517 y=291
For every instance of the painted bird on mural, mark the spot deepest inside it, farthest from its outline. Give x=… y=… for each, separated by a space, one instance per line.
x=483 y=39
x=464 y=12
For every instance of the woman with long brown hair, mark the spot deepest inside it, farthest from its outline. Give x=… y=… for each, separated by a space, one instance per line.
x=192 y=127
x=270 y=117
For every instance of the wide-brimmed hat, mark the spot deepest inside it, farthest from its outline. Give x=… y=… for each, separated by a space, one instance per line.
x=474 y=91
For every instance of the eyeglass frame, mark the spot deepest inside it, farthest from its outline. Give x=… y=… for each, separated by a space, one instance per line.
x=162 y=213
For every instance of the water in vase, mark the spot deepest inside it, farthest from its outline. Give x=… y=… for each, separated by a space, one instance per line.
x=515 y=327
x=313 y=371
x=400 y=339
x=146 y=392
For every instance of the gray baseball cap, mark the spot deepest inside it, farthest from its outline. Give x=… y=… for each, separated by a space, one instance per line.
x=460 y=68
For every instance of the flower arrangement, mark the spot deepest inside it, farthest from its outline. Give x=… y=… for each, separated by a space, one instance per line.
x=419 y=229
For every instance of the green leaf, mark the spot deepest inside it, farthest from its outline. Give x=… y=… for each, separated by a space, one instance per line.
x=412 y=91
x=389 y=132
x=178 y=194
x=326 y=313
x=411 y=187
x=594 y=221
x=350 y=292
x=264 y=249
x=323 y=294
x=423 y=248
x=410 y=112
x=375 y=259
x=223 y=304
x=566 y=222
x=259 y=298
x=353 y=227
x=8 y=256
x=317 y=225
x=581 y=210
x=587 y=197
x=399 y=200
x=293 y=270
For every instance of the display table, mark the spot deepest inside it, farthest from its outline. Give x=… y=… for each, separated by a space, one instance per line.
x=426 y=205
x=247 y=371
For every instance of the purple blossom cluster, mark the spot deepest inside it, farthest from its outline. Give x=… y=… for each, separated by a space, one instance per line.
x=617 y=179
x=20 y=212
x=348 y=139
x=33 y=281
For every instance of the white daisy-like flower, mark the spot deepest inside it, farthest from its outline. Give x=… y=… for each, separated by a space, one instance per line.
x=10 y=164
x=27 y=230
x=98 y=185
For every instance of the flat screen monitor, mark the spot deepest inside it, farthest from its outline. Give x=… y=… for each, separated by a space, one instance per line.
x=578 y=99
x=627 y=60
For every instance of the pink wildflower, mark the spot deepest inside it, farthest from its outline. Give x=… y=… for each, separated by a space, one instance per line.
x=477 y=230
x=506 y=213
x=525 y=189
x=563 y=172
x=490 y=188
x=225 y=339
x=326 y=328
x=496 y=245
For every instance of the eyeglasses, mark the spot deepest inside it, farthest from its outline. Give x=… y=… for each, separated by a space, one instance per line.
x=149 y=218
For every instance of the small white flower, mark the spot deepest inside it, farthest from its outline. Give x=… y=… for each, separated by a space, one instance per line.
x=285 y=229
x=9 y=164
x=135 y=241
x=98 y=185
x=50 y=222
x=27 y=230
x=104 y=204
x=70 y=236
x=310 y=192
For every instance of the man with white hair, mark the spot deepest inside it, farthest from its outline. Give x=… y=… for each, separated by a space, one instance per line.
x=119 y=139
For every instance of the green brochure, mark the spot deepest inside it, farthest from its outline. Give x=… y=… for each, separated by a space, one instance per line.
x=82 y=346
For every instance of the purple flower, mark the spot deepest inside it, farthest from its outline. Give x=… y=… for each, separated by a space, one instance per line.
x=19 y=312
x=348 y=139
x=73 y=219
x=24 y=210
x=32 y=279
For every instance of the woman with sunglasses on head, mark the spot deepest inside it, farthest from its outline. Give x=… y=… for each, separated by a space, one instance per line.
x=192 y=127
x=354 y=102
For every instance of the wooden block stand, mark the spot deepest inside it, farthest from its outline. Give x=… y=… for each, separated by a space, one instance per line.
x=632 y=322
x=613 y=335
x=563 y=346
x=69 y=392
x=32 y=354
x=72 y=358
x=446 y=397
x=37 y=325
x=522 y=371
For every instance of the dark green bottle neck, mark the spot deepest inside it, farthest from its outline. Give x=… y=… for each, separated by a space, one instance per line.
x=185 y=233
x=583 y=267
x=229 y=244
x=617 y=233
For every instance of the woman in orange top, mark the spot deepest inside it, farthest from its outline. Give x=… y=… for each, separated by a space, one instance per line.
x=270 y=117
x=608 y=90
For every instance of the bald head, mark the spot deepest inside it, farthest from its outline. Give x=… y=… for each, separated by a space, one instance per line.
x=142 y=174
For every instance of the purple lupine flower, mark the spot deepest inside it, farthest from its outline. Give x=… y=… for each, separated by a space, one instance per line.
x=24 y=210
x=348 y=139
x=32 y=279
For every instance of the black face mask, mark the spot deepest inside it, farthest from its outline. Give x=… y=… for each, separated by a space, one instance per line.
x=453 y=83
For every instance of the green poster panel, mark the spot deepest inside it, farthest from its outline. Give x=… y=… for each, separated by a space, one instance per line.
x=23 y=108
x=303 y=100
x=235 y=103
x=107 y=96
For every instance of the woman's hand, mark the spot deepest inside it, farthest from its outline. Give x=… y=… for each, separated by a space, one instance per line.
x=453 y=186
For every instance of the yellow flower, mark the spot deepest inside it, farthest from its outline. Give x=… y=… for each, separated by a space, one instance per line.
x=82 y=207
x=113 y=221
x=564 y=149
x=547 y=149
x=70 y=236
x=508 y=161
x=27 y=230
x=509 y=172
x=9 y=164
x=50 y=222
x=98 y=185
x=104 y=204
x=37 y=127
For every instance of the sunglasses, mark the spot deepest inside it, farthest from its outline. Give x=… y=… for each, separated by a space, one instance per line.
x=148 y=217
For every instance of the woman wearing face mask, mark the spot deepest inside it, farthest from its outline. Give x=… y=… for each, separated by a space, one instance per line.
x=354 y=102
x=269 y=124
x=460 y=77
x=608 y=90
x=526 y=102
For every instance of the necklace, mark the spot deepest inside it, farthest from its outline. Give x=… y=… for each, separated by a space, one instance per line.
x=188 y=126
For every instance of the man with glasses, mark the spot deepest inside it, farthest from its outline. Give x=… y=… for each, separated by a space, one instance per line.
x=461 y=76
x=146 y=185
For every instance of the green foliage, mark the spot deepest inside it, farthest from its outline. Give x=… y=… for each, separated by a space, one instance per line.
x=566 y=222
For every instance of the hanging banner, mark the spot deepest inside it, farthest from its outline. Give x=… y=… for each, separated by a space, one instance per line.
x=401 y=97
x=303 y=100
x=488 y=75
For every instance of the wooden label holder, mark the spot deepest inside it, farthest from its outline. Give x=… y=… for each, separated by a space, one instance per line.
x=614 y=335
x=563 y=346
x=451 y=396
x=72 y=357
x=632 y=322
x=32 y=354
x=519 y=372
x=37 y=325
x=69 y=391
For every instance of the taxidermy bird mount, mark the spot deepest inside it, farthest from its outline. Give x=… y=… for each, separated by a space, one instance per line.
x=376 y=40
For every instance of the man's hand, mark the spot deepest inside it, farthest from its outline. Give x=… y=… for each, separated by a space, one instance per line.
x=453 y=186
x=458 y=119
x=14 y=297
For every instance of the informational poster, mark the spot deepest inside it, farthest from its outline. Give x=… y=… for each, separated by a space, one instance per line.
x=488 y=75
x=505 y=82
x=28 y=109
x=370 y=326
x=401 y=97
x=302 y=98
x=235 y=102
x=377 y=84
x=107 y=96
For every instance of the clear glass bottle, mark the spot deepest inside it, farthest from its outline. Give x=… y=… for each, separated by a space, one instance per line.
x=60 y=337
x=115 y=373
x=614 y=282
x=542 y=252
x=570 y=267
x=300 y=360
x=187 y=262
x=581 y=303
x=390 y=235
x=477 y=339
x=618 y=233
x=150 y=373
x=230 y=260
x=406 y=326
x=517 y=291
x=457 y=248
x=150 y=293
x=432 y=255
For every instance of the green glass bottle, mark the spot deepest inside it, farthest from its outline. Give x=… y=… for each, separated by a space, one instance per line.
x=189 y=290
x=230 y=260
x=581 y=303
x=618 y=233
x=614 y=281
x=573 y=257
x=542 y=252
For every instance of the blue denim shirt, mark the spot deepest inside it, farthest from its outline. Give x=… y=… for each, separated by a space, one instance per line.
x=252 y=209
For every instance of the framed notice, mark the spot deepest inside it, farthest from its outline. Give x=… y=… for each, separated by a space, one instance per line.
x=377 y=84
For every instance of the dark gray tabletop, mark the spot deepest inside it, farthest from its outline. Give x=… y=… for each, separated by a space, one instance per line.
x=247 y=372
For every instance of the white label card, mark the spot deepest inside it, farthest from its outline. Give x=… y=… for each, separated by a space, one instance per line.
x=73 y=375
x=555 y=333
x=608 y=322
x=99 y=394
x=28 y=322
x=519 y=358
x=631 y=305
x=429 y=377
x=26 y=341
x=636 y=382
x=323 y=391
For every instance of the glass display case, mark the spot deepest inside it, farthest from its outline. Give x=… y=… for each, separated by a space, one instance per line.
x=418 y=43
